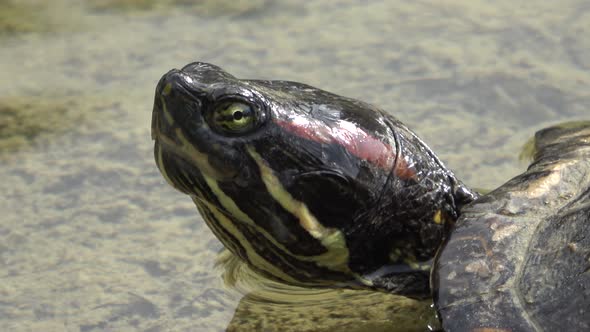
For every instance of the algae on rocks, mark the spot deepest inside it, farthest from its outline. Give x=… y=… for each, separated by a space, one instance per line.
x=25 y=120
x=18 y=17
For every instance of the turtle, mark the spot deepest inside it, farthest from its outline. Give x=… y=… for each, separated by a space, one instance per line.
x=315 y=189
x=518 y=258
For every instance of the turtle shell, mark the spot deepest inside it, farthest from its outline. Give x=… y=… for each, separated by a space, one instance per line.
x=519 y=257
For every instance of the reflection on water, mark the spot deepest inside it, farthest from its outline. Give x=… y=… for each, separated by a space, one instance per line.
x=92 y=239
x=268 y=305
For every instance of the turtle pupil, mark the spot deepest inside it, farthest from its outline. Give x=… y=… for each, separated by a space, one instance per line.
x=232 y=117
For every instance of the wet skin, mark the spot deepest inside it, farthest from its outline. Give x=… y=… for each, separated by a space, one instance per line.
x=307 y=187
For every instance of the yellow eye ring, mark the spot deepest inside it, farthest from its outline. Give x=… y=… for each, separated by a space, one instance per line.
x=233 y=117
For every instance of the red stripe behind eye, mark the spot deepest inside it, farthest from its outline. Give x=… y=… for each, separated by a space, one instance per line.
x=358 y=142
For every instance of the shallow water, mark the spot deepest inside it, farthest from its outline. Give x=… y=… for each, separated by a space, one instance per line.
x=91 y=238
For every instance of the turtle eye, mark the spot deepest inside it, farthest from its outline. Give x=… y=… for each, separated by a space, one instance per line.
x=233 y=117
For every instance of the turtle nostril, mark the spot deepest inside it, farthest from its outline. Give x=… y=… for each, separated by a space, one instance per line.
x=166 y=90
x=177 y=79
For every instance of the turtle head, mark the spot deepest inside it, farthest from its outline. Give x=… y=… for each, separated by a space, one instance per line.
x=204 y=117
x=305 y=186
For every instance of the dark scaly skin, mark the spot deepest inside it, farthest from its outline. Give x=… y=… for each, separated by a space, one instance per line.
x=519 y=257
x=358 y=171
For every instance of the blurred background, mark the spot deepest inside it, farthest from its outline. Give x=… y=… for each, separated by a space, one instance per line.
x=91 y=237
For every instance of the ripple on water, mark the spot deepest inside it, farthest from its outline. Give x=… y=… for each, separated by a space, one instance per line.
x=269 y=305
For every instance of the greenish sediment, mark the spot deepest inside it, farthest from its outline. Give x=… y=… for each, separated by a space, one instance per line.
x=203 y=8
x=25 y=121
x=530 y=147
x=124 y=5
x=17 y=17
x=38 y=17
x=528 y=150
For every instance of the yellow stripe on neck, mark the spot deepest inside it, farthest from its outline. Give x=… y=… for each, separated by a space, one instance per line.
x=332 y=239
x=253 y=256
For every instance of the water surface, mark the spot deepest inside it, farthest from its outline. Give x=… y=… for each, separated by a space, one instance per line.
x=92 y=239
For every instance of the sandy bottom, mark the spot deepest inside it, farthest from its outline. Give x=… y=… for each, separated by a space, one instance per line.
x=93 y=239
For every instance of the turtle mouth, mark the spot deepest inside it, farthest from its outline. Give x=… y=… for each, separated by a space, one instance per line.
x=166 y=133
